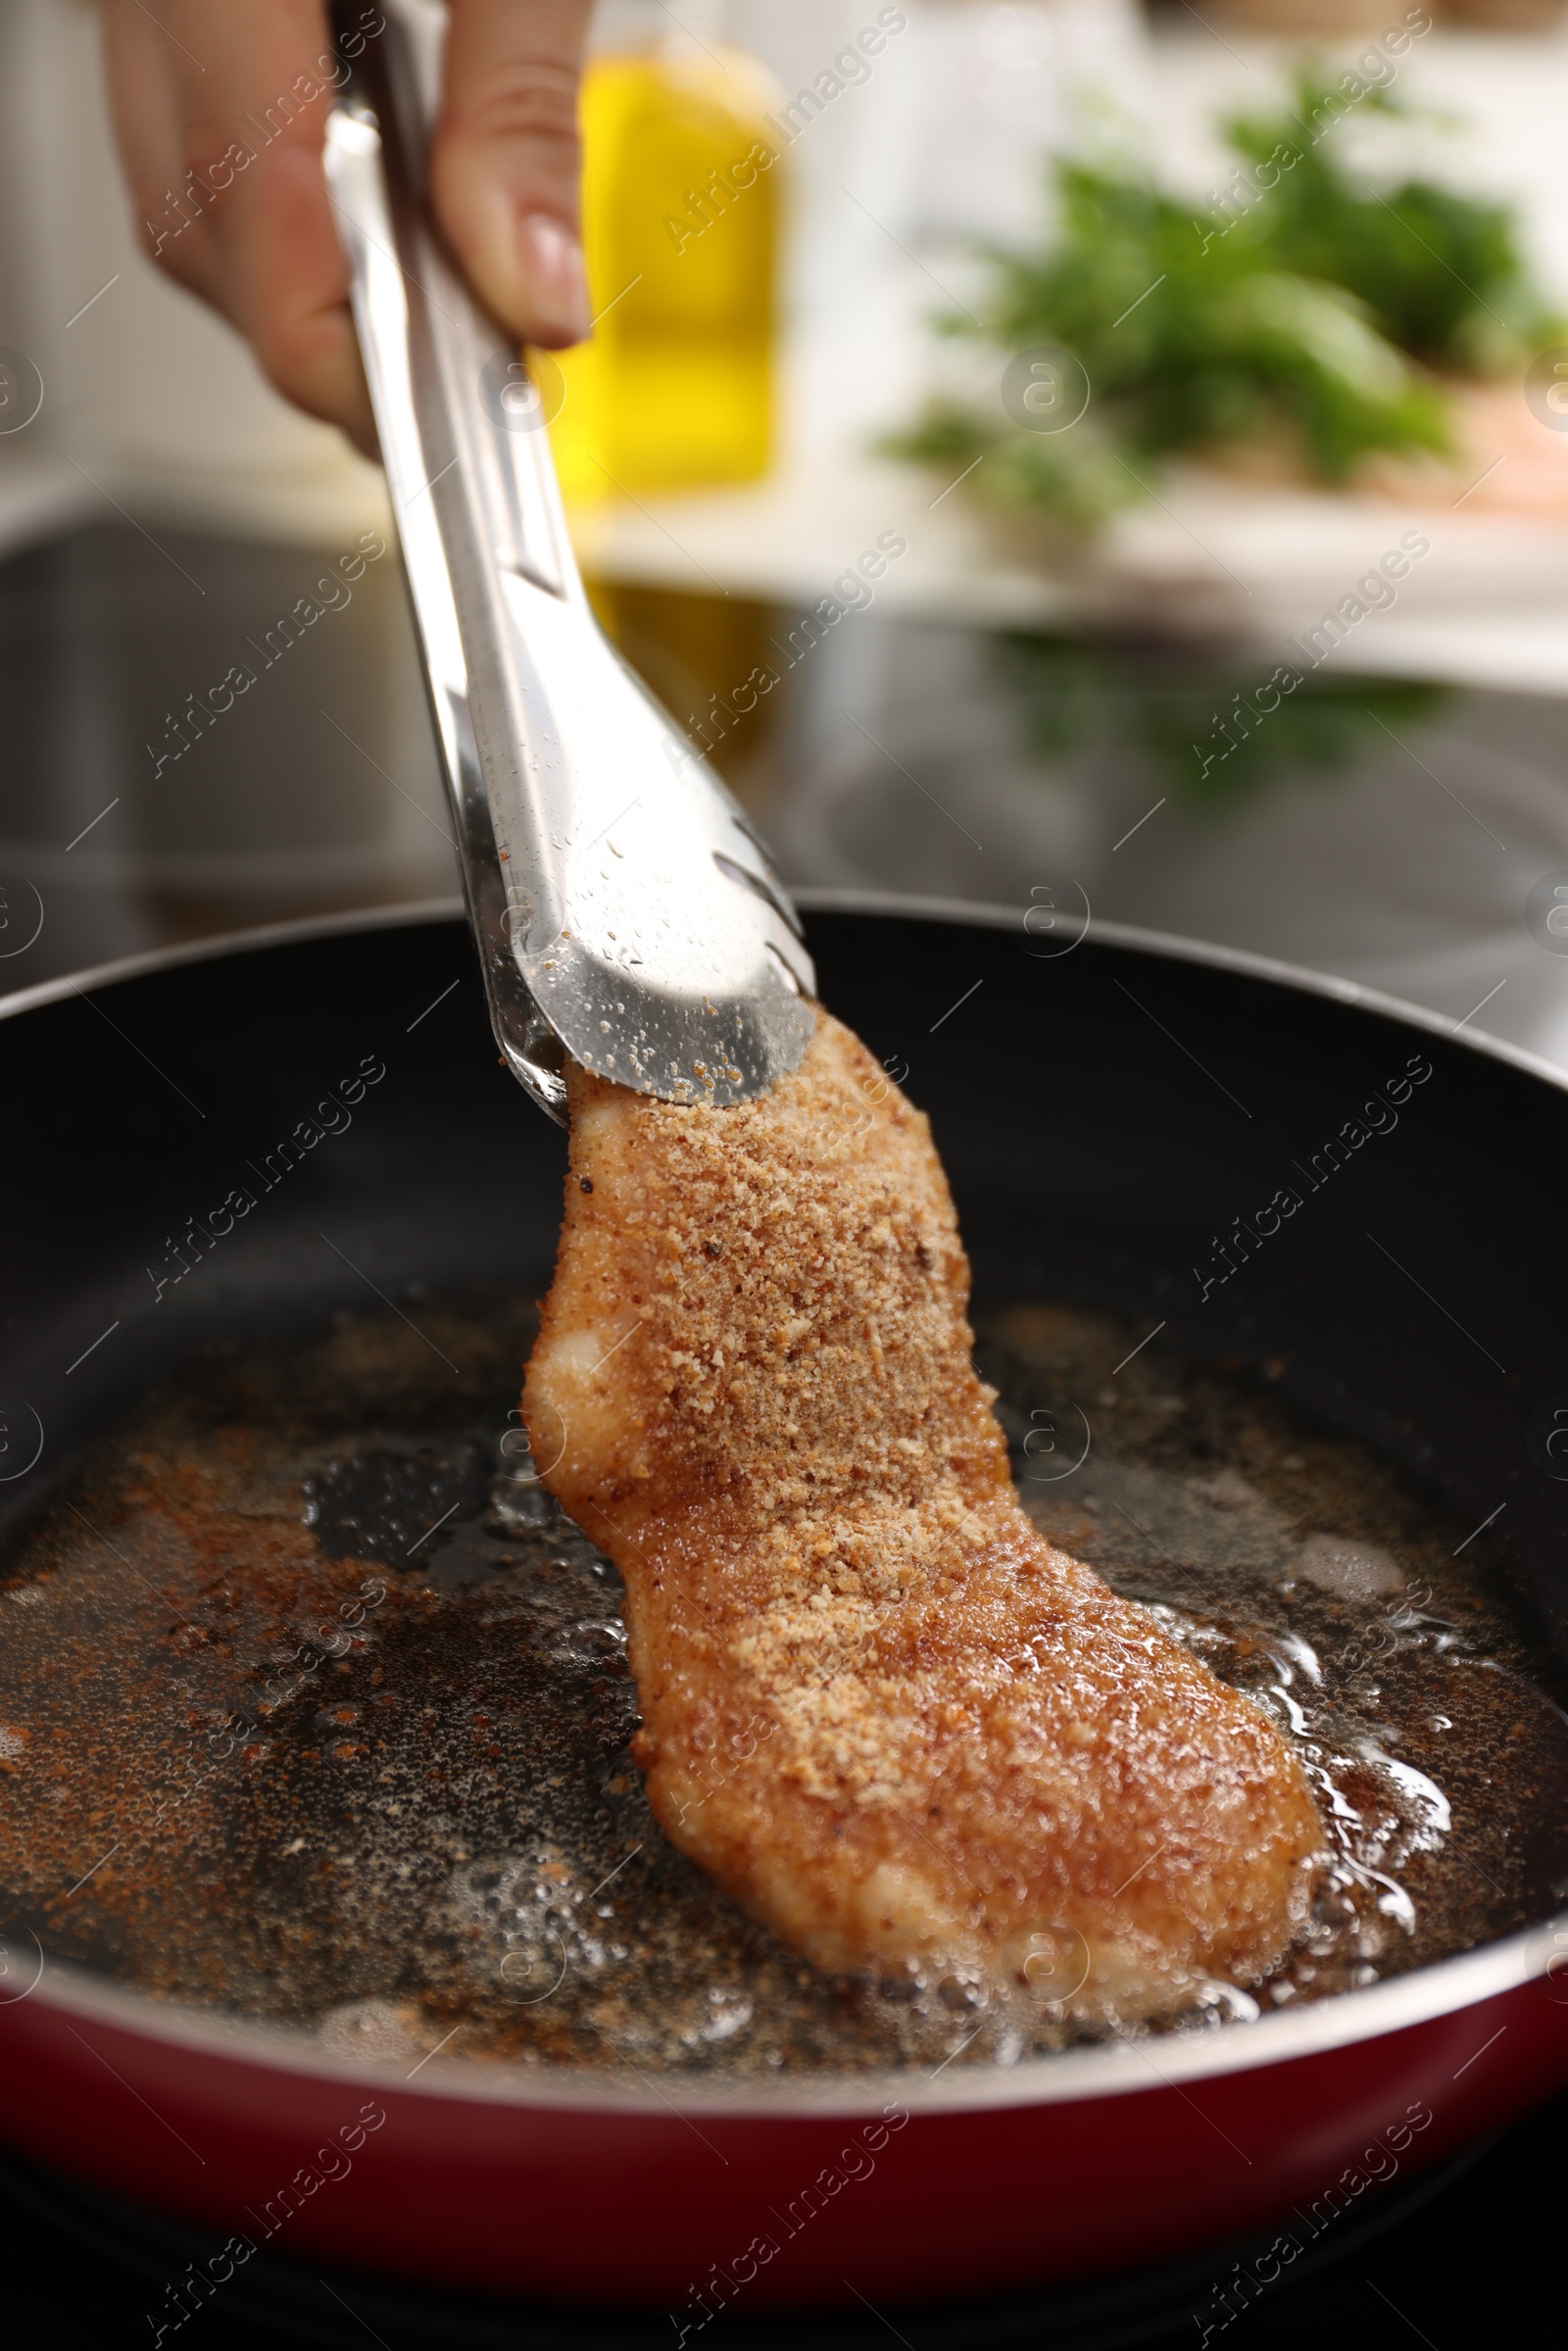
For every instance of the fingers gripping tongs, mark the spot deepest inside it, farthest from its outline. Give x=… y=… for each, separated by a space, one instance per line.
x=625 y=913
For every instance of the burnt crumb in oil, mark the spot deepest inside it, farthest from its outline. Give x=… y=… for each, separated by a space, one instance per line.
x=344 y=1700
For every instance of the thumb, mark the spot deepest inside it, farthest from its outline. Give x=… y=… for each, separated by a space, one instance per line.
x=505 y=161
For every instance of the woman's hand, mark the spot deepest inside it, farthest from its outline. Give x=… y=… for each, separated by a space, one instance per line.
x=220 y=110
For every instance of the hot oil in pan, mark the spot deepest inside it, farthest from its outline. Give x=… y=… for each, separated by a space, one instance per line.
x=314 y=1708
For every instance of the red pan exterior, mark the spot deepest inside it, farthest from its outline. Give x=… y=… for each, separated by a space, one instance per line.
x=650 y=2206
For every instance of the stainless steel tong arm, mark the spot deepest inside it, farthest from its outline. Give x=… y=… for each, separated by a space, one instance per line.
x=626 y=914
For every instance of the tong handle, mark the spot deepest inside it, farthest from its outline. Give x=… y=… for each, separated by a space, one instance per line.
x=625 y=911
x=459 y=492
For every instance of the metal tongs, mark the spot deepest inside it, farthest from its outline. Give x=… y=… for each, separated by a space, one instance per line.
x=626 y=914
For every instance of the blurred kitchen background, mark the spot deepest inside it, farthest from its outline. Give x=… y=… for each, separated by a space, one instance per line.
x=988 y=613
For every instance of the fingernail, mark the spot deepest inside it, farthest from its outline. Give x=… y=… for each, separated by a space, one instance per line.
x=550 y=259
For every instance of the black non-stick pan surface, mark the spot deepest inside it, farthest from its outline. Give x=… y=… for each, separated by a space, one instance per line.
x=1105 y=1117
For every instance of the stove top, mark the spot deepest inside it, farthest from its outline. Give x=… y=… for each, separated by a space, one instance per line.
x=204 y=734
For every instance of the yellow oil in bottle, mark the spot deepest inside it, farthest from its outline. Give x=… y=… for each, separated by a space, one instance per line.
x=680 y=230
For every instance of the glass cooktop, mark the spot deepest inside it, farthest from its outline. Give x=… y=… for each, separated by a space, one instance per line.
x=203 y=734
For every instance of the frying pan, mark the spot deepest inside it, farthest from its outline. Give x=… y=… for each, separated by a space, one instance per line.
x=1104 y=1114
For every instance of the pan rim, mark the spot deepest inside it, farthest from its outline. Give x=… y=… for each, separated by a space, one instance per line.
x=976 y=914
x=1444 y=1989
x=1119 y=2068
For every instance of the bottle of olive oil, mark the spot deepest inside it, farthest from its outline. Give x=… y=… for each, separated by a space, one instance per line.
x=681 y=188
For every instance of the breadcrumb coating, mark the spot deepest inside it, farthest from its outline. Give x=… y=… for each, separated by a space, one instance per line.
x=892 y=1721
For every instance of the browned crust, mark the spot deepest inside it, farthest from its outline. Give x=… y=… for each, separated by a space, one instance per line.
x=878 y=1706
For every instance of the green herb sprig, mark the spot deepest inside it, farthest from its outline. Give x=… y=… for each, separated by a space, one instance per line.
x=1315 y=309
